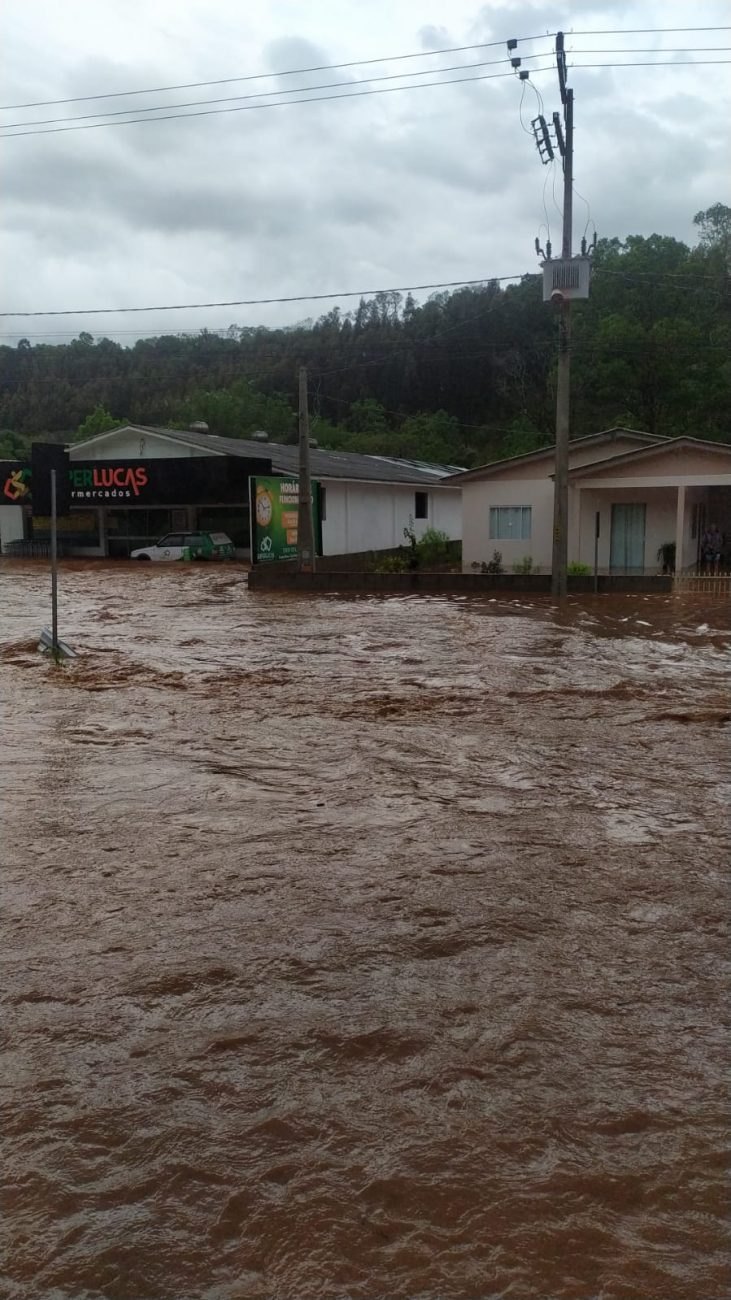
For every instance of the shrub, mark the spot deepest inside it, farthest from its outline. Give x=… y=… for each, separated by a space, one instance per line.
x=577 y=570
x=524 y=566
x=495 y=565
x=391 y=564
x=433 y=547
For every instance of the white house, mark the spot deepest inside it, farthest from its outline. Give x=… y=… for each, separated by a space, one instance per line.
x=647 y=492
x=367 y=501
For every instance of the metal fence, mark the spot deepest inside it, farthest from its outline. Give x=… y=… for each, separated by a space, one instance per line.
x=706 y=584
x=28 y=550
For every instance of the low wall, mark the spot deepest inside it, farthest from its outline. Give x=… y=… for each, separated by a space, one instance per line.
x=359 y=561
x=264 y=578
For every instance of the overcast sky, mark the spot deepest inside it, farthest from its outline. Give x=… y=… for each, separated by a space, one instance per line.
x=396 y=189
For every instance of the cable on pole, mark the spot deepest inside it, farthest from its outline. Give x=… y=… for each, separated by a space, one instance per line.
x=265 y=76
x=265 y=302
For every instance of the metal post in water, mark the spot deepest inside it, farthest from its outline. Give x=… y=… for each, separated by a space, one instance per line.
x=54 y=570
x=596 y=551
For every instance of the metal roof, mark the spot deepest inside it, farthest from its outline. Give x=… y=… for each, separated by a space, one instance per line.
x=324 y=464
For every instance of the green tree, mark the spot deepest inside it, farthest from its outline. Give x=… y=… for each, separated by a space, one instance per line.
x=714 y=227
x=13 y=446
x=463 y=377
x=99 y=421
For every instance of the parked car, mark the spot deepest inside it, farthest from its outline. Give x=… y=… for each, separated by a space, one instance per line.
x=188 y=546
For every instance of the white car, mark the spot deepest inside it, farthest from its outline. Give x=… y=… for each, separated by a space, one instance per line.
x=199 y=546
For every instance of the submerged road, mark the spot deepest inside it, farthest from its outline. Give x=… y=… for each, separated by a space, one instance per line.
x=361 y=948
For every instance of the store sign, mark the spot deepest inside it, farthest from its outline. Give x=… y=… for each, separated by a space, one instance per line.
x=274 y=518
x=14 y=483
x=102 y=482
x=189 y=480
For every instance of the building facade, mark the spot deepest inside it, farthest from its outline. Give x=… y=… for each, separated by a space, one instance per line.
x=645 y=493
x=136 y=483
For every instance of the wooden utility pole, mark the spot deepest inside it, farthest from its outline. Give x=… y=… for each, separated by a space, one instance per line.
x=559 y=562
x=305 y=531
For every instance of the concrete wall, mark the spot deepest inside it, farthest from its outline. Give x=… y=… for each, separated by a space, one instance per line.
x=660 y=522
x=11 y=524
x=477 y=499
x=584 y=502
x=372 y=516
x=265 y=578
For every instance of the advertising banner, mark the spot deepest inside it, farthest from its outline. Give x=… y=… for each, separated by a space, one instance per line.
x=274 y=510
x=14 y=483
x=189 y=480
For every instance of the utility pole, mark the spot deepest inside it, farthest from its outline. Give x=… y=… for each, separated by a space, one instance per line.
x=564 y=279
x=559 y=562
x=305 y=531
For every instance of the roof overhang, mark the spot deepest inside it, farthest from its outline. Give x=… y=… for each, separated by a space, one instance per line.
x=548 y=453
x=643 y=457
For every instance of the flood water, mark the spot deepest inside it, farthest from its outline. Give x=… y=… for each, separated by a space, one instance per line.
x=362 y=948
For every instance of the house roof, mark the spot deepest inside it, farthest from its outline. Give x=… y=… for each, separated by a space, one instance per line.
x=285 y=458
x=642 y=454
x=607 y=436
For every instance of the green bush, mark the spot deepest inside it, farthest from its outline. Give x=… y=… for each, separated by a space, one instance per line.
x=577 y=570
x=495 y=565
x=524 y=566
x=391 y=564
x=432 y=547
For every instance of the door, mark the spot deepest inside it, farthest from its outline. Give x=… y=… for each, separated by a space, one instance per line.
x=170 y=547
x=627 y=545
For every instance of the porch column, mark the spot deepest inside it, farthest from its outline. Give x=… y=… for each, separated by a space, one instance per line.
x=680 y=528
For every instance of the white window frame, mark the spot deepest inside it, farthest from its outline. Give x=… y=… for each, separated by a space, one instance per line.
x=519 y=530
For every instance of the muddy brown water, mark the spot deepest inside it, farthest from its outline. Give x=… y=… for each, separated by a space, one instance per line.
x=362 y=948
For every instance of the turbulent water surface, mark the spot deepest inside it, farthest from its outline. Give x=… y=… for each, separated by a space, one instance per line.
x=361 y=948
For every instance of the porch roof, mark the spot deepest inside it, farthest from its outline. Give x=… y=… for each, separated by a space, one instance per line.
x=679 y=460
x=604 y=437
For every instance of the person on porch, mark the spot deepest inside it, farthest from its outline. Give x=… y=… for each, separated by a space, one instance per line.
x=711 y=548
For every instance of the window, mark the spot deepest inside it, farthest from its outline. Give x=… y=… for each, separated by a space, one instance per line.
x=421 y=505
x=508 y=523
x=173 y=539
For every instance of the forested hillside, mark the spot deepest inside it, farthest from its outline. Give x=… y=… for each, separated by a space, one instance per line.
x=462 y=377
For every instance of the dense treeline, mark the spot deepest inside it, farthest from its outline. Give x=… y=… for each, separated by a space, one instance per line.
x=462 y=377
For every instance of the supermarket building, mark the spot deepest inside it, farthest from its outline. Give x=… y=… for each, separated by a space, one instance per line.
x=136 y=483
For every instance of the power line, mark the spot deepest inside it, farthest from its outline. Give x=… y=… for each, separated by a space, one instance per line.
x=354 y=63
x=688 y=277
x=264 y=94
x=263 y=76
x=654 y=63
x=265 y=302
x=648 y=31
x=359 y=94
x=280 y=103
x=654 y=49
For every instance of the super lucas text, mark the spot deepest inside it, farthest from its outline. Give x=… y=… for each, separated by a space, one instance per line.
x=107 y=481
